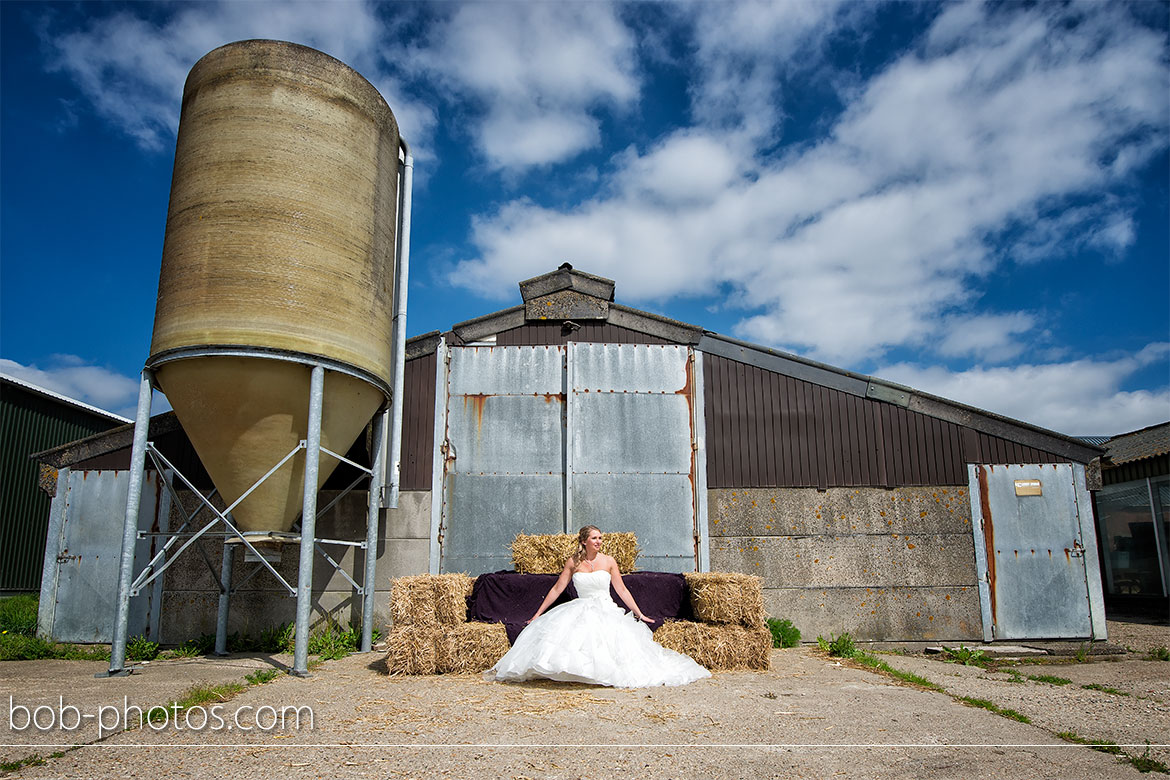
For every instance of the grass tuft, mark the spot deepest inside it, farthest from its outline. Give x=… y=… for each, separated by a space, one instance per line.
x=993 y=707
x=1051 y=679
x=1105 y=689
x=261 y=676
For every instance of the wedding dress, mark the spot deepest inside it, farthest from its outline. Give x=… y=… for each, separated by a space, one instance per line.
x=592 y=640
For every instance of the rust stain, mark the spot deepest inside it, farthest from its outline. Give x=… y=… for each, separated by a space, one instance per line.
x=550 y=397
x=479 y=399
x=988 y=536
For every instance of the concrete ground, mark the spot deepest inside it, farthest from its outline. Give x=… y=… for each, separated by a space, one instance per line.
x=809 y=716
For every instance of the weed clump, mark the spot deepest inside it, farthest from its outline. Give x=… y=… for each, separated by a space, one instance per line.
x=784 y=633
x=838 y=646
x=967 y=656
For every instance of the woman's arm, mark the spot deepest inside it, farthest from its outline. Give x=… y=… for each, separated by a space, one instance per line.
x=556 y=590
x=623 y=592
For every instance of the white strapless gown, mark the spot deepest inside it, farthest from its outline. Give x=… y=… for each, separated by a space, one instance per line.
x=592 y=640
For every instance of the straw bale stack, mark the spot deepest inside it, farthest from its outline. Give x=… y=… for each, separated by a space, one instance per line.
x=546 y=554
x=413 y=649
x=727 y=597
x=430 y=599
x=471 y=647
x=718 y=646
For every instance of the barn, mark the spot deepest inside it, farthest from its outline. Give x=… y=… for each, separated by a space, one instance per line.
x=864 y=506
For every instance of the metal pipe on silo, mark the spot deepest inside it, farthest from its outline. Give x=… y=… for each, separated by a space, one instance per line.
x=403 y=272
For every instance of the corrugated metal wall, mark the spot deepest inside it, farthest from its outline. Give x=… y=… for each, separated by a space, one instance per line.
x=769 y=430
x=538 y=333
x=31 y=423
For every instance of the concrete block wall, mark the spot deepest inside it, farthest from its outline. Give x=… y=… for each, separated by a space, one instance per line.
x=892 y=565
x=191 y=590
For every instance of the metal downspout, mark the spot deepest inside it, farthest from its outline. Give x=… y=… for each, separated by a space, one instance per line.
x=402 y=275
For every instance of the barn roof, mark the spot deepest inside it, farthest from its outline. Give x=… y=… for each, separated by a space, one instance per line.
x=574 y=297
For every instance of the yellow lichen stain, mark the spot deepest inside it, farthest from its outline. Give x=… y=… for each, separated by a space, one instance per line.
x=882 y=513
x=816 y=560
x=909 y=546
x=947 y=597
x=923 y=514
x=773 y=499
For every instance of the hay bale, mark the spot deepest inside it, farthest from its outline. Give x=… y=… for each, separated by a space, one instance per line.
x=718 y=646
x=413 y=649
x=726 y=597
x=430 y=599
x=547 y=553
x=470 y=647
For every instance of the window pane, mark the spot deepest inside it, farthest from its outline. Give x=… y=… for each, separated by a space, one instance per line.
x=1128 y=539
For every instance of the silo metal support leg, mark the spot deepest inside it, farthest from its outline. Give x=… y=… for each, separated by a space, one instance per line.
x=130 y=529
x=225 y=597
x=377 y=480
x=309 y=523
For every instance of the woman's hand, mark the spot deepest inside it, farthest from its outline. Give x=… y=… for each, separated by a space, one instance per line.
x=643 y=618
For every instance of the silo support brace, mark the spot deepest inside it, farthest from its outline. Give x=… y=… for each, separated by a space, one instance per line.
x=309 y=522
x=130 y=527
x=377 y=478
x=225 y=597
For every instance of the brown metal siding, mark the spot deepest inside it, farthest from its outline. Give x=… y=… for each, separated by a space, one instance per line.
x=770 y=430
x=418 y=422
x=542 y=333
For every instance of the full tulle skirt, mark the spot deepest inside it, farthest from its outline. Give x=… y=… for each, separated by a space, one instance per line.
x=593 y=640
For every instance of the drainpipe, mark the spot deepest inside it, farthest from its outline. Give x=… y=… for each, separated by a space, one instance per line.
x=402 y=273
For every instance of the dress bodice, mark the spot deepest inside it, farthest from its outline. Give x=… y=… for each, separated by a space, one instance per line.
x=591 y=584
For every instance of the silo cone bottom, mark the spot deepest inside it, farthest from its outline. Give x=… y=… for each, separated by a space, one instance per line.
x=243 y=415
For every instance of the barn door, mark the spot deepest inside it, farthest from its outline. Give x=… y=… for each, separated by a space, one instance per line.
x=79 y=585
x=546 y=439
x=1036 y=552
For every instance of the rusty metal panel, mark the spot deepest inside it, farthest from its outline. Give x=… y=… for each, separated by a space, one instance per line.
x=544 y=439
x=1030 y=551
x=632 y=445
x=504 y=453
x=486 y=511
x=83 y=584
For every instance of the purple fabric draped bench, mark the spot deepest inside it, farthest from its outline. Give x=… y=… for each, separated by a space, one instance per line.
x=510 y=598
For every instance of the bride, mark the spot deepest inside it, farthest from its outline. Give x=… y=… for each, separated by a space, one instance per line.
x=591 y=639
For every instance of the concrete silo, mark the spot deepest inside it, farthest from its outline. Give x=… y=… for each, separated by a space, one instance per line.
x=275 y=331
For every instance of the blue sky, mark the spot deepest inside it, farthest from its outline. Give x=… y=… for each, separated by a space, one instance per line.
x=968 y=199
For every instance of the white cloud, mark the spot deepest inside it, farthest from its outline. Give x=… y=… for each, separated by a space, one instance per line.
x=743 y=48
x=538 y=73
x=1078 y=397
x=132 y=68
x=879 y=236
x=988 y=337
x=73 y=377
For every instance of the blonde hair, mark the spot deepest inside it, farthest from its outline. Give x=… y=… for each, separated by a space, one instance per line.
x=582 y=535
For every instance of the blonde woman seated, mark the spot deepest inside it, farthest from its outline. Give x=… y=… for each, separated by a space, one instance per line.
x=591 y=639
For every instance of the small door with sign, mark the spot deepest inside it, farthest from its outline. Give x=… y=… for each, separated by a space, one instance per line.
x=1036 y=552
